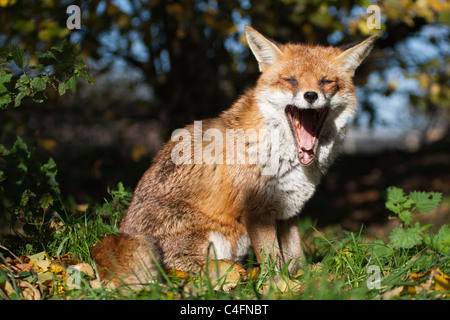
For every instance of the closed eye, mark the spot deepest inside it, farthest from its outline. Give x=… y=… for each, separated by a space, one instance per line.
x=325 y=81
x=291 y=81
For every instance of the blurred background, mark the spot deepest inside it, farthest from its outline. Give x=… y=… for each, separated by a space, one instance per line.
x=158 y=65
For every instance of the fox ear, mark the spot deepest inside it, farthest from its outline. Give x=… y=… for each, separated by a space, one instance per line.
x=265 y=51
x=352 y=57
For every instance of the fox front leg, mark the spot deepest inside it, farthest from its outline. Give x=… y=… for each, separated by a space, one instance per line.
x=290 y=243
x=263 y=237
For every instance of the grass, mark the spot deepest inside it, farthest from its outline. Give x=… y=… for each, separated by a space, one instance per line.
x=340 y=265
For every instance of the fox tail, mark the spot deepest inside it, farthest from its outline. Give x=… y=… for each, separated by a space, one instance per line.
x=127 y=260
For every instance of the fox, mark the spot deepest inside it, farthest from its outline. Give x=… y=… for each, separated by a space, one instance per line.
x=185 y=212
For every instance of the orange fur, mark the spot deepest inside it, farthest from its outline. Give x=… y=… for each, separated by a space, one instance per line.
x=179 y=209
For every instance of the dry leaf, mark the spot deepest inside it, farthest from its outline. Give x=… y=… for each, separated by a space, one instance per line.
x=223 y=273
x=252 y=274
x=282 y=283
x=393 y=293
x=173 y=273
x=85 y=268
x=41 y=260
x=431 y=280
x=95 y=284
x=57 y=269
x=6 y=288
x=29 y=291
x=442 y=281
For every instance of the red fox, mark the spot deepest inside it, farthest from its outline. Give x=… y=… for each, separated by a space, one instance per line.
x=203 y=198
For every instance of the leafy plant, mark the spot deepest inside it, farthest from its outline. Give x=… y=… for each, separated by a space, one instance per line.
x=58 y=68
x=29 y=191
x=403 y=206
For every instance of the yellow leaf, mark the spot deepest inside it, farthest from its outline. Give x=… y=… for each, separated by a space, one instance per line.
x=442 y=281
x=223 y=273
x=173 y=273
x=419 y=275
x=41 y=260
x=252 y=274
x=56 y=268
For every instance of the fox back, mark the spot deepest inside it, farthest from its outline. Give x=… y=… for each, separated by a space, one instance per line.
x=238 y=181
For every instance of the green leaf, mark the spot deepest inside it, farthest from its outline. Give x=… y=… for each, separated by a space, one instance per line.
x=5 y=98
x=50 y=170
x=405 y=216
x=380 y=250
x=24 y=80
x=87 y=76
x=394 y=207
x=5 y=77
x=425 y=201
x=24 y=198
x=72 y=84
x=3 y=89
x=440 y=241
x=18 y=56
x=39 y=83
x=46 y=201
x=395 y=195
x=394 y=198
x=61 y=88
x=20 y=148
x=22 y=94
x=406 y=238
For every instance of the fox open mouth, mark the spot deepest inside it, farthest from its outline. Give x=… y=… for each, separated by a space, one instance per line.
x=306 y=125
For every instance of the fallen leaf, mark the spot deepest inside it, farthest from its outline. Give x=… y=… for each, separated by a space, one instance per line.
x=177 y=274
x=85 y=268
x=20 y=267
x=283 y=284
x=252 y=274
x=7 y=289
x=299 y=273
x=223 y=273
x=95 y=284
x=41 y=260
x=56 y=268
x=393 y=293
x=442 y=281
x=433 y=279
x=29 y=291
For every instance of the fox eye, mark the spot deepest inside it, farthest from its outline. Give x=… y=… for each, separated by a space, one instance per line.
x=291 y=81
x=325 y=81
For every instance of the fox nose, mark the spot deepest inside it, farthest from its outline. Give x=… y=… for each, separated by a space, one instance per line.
x=310 y=96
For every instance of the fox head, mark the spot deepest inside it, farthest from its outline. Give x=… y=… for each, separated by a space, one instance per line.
x=306 y=89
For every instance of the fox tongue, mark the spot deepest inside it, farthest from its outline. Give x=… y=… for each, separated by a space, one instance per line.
x=306 y=134
x=306 y=137
x=306 y=125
